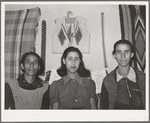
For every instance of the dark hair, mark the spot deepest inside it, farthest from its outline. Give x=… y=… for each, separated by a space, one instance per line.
x=40 y=71
x=123 y=42
x=82 y=71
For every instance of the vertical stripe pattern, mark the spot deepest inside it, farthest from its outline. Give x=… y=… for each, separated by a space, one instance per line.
x=20 y=32
x=132 y=20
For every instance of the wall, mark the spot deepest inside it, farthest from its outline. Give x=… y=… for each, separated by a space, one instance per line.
x=92 y=12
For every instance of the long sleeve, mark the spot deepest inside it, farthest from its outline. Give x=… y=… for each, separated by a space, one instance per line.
x=9 y=100
x=46 y=100
x=104 y=101
x=54 y=93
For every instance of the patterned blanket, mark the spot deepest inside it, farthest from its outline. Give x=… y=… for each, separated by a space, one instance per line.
x=133 y=21
x=20 y=34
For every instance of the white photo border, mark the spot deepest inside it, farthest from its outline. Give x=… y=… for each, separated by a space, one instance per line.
x=75 y=115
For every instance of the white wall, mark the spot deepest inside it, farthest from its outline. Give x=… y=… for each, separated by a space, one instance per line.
x=92 y=13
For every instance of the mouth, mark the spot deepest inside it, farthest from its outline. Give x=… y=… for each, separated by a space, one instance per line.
x=31 y=70
x=122 y=60
x=73 y=67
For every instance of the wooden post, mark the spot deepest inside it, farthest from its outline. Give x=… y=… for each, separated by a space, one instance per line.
x=103 y=40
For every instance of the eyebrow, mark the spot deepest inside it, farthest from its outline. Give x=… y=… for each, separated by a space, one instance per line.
x=123 y=50
x=75 y=57
x=29 y=59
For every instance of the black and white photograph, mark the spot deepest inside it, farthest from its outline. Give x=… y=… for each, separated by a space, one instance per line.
x=74 y=61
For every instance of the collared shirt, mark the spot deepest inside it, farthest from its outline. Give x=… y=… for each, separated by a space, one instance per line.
x=131 y=75
x=109 y=89
x=77 y=79
x=128 y=92
x=72 y=93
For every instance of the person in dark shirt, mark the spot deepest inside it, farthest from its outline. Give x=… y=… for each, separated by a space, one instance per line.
x=28 y=91
x=74 y=90
x=124 y=87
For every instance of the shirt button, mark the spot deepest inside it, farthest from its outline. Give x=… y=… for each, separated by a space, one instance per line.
x=73 y=80
x=76 y=100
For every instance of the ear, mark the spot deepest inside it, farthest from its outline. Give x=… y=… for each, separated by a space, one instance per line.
x=22 y=67
x=64 y=61
x=39 y=68
x=114 y=55
x=132 y=54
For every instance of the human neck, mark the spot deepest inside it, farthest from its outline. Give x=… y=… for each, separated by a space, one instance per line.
x=123 y=71
x=72 y=75
x=29 y=79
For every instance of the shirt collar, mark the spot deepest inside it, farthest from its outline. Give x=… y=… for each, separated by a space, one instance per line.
x=131 y=75
x=77 y=79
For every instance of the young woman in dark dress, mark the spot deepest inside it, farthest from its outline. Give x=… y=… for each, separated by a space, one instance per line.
x=74 y=90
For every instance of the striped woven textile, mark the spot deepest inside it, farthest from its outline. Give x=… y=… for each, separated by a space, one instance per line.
x=133 y=21
x=20 y=34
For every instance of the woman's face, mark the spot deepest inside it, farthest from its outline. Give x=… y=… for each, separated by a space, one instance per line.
x=123 y=54
x=72 y=62
x=30 y=65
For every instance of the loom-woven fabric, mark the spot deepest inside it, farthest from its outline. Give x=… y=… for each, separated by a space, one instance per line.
x=133 y=28
x=20 y=34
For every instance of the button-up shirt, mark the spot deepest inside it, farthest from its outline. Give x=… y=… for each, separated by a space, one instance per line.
x=72 y=93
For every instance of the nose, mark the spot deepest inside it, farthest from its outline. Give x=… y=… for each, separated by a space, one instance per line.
x=31 y=63
x=123 y=55
x=73 y=61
